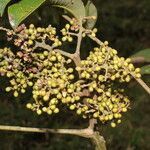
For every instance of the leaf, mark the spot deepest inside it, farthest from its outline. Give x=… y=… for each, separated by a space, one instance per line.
x=3 y=4
x=143 y=54
x=145 y=69
x=75 y=7
x=91 y=10
x=19 y=11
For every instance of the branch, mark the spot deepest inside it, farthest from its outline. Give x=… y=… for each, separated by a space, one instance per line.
x=73 y=34
x=96 y=138
x=79 y=132
x=98 y=141
x=48 y=47
x=84 y=93
x=143 y=84
x=92 y=123
x=86 y=133
x=69 y=55
x=79 y=39
x=4 y=29
x=42 y=45
x=99 y=42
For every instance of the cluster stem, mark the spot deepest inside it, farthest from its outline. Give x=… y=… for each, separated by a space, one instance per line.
x=88 y=132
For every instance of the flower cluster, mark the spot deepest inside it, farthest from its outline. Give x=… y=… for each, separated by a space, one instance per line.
x=101 y=71
x=91 y=89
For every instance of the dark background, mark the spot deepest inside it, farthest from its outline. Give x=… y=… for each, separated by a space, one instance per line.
x=126 y=25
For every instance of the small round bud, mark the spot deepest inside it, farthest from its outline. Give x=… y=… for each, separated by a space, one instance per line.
x=45 y=53
x=100 y=78
x=138 y=75
x=30 y=31
x=49 y=111
x=67 y=26
x=131 y=67
x=113 y=124
x=30 y=42
x=119 y=121
x=106 y=42
x=39 y=112
x=137 y=70
x=64 y=38
x=72 y=107
x=23 y=90
x=95 y=30
x=56 y=110
x=71 y=76
x=53 y=58
x=16 y=94
x=30 y=83
x=39 y=29
x=70 y=39
x=93 y=34
x=44 y=109
x=124 y=109
x=31 y=26
x=79 y=111
x=95 y=115
x=110 y=117
x=29 y=105
x=8 y=89
x=46 y=98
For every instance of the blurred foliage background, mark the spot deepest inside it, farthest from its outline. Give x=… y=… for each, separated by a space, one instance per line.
x=126 y=25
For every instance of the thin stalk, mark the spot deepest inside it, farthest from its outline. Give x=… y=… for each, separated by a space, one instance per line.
x=86 y=133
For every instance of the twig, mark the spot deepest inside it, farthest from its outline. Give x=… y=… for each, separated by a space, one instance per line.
x=42 y=45
x=99 y=42
x=92 y=123
x=64 y=53
x=86 y=133
x=143 y=84
x=75 y=57
x=79 y=39
x=85 y=93
x=4 y=29
x=71 y=33
x=80 y=132
x=48 y=47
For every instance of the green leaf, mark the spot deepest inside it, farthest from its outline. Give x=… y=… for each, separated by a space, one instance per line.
x=21 y=10
x=143 y=54
x=145 y=69
x=3 y=4
x=91 y=10
x=75 y=7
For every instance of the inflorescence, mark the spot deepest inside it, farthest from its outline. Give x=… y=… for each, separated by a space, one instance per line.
x=90 y=89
